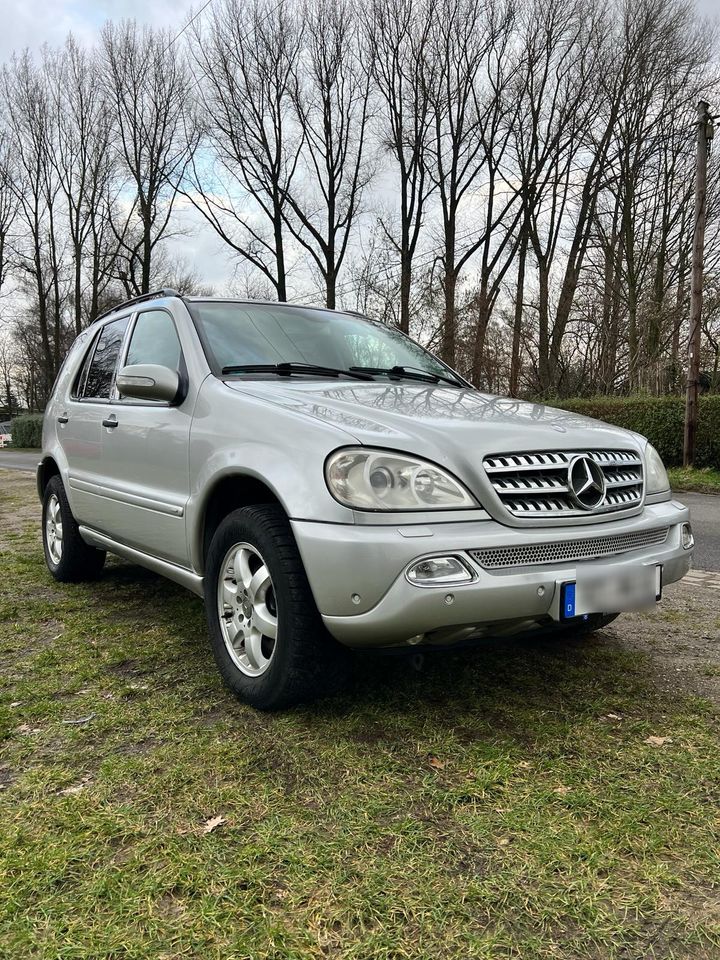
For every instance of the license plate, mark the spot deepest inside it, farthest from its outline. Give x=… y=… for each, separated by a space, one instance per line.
x=611 y=591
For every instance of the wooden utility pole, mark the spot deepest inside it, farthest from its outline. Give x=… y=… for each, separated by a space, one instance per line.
x=704 y=135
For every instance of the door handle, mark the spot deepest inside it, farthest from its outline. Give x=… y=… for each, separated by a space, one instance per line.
x=63 y=419
x=110 y=422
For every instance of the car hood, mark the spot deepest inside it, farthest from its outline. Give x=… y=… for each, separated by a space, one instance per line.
x=444 y=424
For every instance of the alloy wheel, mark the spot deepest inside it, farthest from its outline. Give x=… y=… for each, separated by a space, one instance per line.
x=247 y=609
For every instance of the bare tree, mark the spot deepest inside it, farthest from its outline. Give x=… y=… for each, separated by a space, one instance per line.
x=396 y=36
x=8 y=206
x=561 y=140
x=465 y=33
x=247 y=58
x=8 y=362
x=331 y=97
x=83 y=163
x=39 y=250
x=149 y=86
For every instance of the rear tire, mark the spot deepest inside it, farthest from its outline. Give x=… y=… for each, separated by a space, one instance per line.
x=69 y=559
x=267 y=637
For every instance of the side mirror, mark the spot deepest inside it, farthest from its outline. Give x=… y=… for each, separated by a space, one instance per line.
x=148 y=381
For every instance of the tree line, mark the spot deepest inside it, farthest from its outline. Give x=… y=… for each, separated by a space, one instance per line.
x=510 y=181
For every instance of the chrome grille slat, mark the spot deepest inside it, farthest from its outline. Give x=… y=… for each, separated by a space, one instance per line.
x=567 y=551
x=535 y=483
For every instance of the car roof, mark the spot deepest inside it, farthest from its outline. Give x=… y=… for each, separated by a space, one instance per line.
x=167 y=293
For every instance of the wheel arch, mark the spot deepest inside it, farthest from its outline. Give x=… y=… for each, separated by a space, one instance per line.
x=46 y=470
x=229 y=492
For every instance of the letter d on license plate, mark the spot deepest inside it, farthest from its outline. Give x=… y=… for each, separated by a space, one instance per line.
x=609 y=591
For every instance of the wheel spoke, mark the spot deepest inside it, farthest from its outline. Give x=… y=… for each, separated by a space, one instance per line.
x=257 y=588
x=229 y=594
x=243 y=573
x=233 y=629
x=253 y=650
x=265 y=622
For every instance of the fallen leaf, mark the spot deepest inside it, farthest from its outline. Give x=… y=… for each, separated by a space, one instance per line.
x=213 y=823
x=76 y=787
x=86 y=719
x=562 y=790
x=71 y=791
x=503 y=841
x=436 y=763
x=26 y=729
x=658 y=741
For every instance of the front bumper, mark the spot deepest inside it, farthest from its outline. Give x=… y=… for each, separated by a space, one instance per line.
x=357 y=575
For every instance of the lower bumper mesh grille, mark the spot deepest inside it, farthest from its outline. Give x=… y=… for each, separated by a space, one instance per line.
x=566 y=551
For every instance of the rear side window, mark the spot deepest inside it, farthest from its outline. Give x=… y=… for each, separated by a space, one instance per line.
x=79 y=385
x=154 y=340
x=102 y=366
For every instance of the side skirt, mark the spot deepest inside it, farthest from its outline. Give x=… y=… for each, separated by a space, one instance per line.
x=186 y=578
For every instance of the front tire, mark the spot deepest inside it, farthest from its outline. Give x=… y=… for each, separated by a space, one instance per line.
x=267 y=637
x=69 y=559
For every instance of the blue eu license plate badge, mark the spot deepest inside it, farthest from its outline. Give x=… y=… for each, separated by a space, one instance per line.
x=568 y=600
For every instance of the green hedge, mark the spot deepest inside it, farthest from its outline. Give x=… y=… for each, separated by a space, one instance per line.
x=661 y=420
x=27 y=430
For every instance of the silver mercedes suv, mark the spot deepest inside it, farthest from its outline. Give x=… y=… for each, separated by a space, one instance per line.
x=324 y=483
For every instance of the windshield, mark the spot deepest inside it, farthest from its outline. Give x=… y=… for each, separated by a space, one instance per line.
x=238 y=334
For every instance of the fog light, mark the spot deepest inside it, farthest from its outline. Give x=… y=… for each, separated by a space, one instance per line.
x=688 y=540
x=439 y=571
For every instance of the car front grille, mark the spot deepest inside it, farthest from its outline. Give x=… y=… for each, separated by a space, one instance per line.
x=535 y=484
x=566 y=551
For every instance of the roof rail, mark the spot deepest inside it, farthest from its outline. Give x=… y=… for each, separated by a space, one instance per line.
x=165 y=292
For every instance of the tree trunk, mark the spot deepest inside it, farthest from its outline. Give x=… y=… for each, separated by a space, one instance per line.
x=146 y=256
x=447 y=351
x=517 y=319
x=483 y=317
x=279 y=251
x=545 y=372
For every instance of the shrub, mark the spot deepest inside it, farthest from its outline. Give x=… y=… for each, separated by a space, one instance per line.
x=661 y=420
x=27 y=430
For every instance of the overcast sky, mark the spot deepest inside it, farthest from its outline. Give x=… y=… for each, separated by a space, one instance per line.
x=33 y=22
x=30 y=23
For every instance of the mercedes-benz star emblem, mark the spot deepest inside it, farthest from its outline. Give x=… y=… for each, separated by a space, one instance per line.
x=586 y=483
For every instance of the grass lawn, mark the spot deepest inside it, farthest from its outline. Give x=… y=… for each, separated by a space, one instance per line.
x=706 y=480
x=526 y=800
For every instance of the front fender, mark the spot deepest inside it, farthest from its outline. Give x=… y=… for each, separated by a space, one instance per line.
x=236 y=434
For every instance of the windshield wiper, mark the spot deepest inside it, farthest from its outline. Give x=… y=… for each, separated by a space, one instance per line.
x=287 y=368
x=410 y=373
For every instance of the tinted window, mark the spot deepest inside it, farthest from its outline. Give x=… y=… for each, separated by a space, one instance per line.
x=77 y=390
x=102 y=367
x=155 y=340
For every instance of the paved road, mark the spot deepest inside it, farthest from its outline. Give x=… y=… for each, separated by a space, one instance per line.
x=705 y=513
x=19 y=461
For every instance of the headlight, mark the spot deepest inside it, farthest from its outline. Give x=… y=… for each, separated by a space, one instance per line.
x=381 y=480
x=656 y=478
